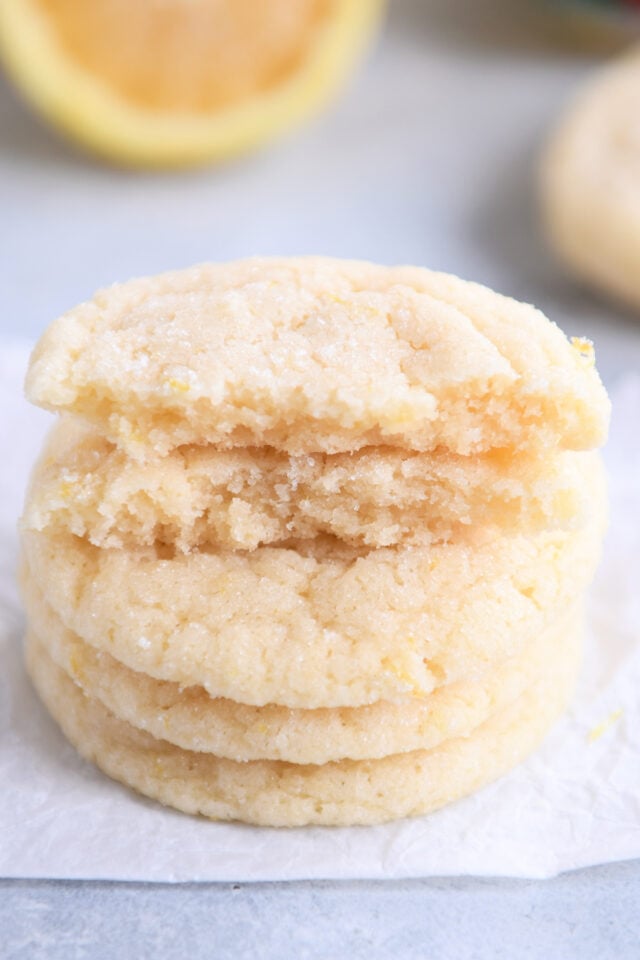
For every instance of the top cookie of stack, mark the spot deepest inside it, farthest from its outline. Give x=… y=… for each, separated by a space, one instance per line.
x=300 y=397
x=310 y=486
x=314 y=355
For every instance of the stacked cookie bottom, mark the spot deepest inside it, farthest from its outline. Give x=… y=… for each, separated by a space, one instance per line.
x=319 y=678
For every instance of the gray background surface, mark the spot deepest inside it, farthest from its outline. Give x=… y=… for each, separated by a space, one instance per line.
x=428 y=158
x=591 y=915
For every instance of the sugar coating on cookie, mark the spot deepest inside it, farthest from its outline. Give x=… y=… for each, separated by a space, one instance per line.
x=310 y=540
x=273 y=793
x=316 y=354
x=318 y=625
x=590 y=182
x=189 y=718
x=243 y=498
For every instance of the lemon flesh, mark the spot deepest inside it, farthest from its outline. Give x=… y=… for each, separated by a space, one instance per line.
x=172 y=82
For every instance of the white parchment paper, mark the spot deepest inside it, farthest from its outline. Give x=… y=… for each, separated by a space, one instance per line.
x=575 y=803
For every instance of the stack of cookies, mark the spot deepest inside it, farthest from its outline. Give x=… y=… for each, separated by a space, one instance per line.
x=310 y=539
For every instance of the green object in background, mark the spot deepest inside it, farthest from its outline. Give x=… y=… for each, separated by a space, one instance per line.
x=599 y=25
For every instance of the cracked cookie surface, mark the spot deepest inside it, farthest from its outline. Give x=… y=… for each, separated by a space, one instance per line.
x=189 y=718
x=318 y=625
x=314 y=354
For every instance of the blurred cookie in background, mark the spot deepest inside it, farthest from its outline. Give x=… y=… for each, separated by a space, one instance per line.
x=590 y=182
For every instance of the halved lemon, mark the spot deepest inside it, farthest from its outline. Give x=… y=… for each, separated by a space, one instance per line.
x=177 y=82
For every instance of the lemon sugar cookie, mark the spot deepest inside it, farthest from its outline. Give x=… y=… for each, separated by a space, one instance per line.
x=309 y=630
x=317 y=355
x=272 y=793
x=240 y=499
x=590 y=184
x=189 y=718
x=310 y=540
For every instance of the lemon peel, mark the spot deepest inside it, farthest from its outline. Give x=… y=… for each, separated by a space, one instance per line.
x=97 y=116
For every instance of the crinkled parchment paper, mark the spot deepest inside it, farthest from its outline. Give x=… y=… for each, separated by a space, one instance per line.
x=576 y=802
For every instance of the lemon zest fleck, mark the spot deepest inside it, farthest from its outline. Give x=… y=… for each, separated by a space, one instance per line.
x=404 y=676
x=602 y=728
x=179 y=386
x=584 y=348
x=75 y=665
